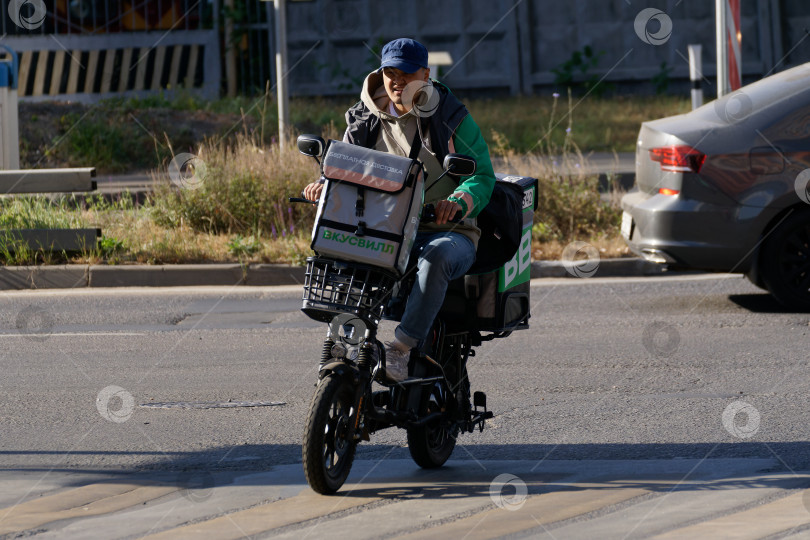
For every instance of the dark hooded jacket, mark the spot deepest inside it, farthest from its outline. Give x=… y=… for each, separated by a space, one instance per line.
x=449 y=128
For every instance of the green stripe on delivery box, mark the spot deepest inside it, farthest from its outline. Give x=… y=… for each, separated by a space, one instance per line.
x=352 y=240
x=518 y=270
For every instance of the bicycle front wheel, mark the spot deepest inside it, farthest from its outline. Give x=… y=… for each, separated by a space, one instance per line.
x=327 y=450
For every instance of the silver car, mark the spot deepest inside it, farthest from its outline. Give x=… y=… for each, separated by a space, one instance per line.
x=725 y=187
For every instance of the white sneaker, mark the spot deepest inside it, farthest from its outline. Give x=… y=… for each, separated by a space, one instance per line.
x=396 y=363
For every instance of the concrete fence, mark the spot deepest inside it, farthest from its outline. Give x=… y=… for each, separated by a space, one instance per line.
x=516 y=46
x=498 y=46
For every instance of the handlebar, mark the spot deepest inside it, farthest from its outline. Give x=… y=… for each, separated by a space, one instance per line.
x=429 y=215
x=302 y=200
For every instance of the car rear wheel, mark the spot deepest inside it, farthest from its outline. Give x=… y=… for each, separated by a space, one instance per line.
x=756 y=279
x=785 y=261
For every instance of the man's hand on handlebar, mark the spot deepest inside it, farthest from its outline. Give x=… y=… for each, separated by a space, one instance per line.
x=313 y=191
x=445 y=211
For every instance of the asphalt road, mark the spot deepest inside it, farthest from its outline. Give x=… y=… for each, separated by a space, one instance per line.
x=675 y=376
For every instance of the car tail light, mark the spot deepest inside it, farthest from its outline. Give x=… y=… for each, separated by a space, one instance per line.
x=667 y=191
x=678 y=158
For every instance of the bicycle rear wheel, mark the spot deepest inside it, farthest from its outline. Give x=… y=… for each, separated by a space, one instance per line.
x=432 y=444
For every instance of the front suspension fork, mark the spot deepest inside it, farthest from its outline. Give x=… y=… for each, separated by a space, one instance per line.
x=362 y=391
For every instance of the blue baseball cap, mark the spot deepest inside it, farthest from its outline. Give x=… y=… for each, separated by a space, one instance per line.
x=405 y=54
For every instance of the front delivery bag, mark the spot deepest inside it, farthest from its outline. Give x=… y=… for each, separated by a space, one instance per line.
x=370 y=207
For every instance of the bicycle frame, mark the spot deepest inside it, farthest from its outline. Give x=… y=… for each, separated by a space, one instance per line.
x=333 y=288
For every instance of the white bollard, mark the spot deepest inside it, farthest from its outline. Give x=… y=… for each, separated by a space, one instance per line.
x=696 y=74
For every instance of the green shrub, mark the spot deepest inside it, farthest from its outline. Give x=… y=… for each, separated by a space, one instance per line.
x=109 y=246
x=570 y=206
x=242 y=247
x=103 y=141
x=37 y=212
x=244 y=189
x=577 y=72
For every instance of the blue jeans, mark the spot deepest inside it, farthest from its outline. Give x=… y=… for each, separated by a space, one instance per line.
x=441 y=258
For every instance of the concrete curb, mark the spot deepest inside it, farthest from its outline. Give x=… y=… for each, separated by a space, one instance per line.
x=170 y=275
x=175 y=275
x=625 y=267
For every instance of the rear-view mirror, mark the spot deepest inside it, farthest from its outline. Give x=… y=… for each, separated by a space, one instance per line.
x=311 y=145
x=459 y=165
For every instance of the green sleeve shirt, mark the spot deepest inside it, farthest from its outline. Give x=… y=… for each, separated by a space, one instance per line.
x=468 y=139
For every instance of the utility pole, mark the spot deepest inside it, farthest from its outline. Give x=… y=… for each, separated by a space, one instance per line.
x=230 y=50
x=281 y=72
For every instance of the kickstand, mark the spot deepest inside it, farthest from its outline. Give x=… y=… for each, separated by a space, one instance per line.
x=480 y=414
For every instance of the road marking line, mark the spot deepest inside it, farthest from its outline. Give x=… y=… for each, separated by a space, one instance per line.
x=305 y=506
x=765 y=520
x=537 y=510
x=90 y=500
x=69 y=334
x=549 y=282
x=252 y=289
x=156 y=291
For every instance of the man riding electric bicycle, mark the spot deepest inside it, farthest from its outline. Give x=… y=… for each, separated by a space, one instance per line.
x=403 y=112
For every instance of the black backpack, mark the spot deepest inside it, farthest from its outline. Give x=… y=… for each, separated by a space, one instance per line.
x=501 y=224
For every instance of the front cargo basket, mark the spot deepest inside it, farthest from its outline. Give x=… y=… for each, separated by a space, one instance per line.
x=333 y=287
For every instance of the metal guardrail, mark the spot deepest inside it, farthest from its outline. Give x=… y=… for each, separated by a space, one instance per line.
x=51 y=240
x=49 y=181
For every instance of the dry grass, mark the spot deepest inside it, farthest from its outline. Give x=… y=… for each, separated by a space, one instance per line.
x=117 y=135
x=609 y=248
x=570 y=206
x=238 y=186
x=143 y=241
x=598 y=124
x=238 y=211
x=149 y=243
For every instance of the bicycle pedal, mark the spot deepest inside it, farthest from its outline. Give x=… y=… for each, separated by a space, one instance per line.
x=480 y=400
